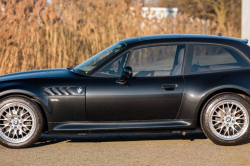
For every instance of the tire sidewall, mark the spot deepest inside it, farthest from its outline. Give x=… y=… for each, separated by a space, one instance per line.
x=205 y=119
x=39 y=122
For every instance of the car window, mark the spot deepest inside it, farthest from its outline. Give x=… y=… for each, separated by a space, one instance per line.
x=114 y=68
x=215 y=58
x=100 y=57
x=157 y=60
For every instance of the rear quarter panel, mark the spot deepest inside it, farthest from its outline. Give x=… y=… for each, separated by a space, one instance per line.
x=198 y=87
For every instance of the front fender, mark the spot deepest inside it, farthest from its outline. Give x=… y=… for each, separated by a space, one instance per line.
x=29 y=90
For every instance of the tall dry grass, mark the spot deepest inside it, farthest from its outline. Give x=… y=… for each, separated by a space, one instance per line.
x=34 y=35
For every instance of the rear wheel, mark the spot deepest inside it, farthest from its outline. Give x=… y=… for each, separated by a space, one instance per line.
x=225 y=119
x=21 y=122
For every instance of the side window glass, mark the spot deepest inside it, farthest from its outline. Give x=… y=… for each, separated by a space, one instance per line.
x=208 y=58
x=114 y=68
x=157 y=61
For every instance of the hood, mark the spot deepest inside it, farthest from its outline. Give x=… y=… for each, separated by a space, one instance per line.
x=45 y=73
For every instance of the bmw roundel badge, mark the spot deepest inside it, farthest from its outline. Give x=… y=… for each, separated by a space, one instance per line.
x=79 y=90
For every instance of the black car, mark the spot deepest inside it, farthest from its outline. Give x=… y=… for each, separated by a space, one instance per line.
x=150 y=83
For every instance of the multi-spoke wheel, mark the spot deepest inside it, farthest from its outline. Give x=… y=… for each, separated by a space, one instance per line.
x=228 y=119
x=20 y=122
x=225 y=119
x=17 y=122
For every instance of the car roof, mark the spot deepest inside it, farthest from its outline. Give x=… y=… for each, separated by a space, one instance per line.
x=181 y=36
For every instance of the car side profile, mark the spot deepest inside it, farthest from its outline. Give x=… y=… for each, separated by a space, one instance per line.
x=151 y=83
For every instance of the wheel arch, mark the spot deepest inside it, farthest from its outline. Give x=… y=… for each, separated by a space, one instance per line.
x=212 y=95
x=29 y=97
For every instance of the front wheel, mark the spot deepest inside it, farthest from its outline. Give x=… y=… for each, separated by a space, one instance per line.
x=21 y=122
x=225 y=119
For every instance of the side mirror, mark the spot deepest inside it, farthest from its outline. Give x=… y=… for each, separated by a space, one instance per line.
x=126 y=73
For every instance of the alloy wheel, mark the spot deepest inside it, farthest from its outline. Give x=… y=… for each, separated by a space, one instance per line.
x=228 y=119
x=17 y=122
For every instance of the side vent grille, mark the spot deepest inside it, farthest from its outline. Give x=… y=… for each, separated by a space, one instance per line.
x=62 y=91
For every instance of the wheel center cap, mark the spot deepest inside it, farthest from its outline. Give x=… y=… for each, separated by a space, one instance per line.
x=228 y=119
x=16 y=122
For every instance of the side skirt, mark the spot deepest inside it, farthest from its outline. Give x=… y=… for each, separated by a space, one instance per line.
x=116 y=126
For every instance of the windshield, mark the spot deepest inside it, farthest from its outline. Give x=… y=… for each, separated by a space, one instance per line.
x=100 y=57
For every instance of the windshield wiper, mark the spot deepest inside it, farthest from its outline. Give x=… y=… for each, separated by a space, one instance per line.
x=72 y=67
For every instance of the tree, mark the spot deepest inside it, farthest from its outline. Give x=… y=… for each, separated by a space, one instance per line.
x=217 y=10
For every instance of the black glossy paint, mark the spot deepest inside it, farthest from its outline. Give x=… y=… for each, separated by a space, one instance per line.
x=139 y=99
x=143 y=103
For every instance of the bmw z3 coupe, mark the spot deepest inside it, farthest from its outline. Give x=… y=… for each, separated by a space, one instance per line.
x=157 y=83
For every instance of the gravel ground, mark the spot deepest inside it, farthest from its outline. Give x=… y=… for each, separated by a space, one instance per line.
x=127 y=149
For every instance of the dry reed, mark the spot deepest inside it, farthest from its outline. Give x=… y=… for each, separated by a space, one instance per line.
x=34 y=35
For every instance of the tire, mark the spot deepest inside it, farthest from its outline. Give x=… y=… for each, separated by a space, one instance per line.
x=21 y=122
x=229 y=127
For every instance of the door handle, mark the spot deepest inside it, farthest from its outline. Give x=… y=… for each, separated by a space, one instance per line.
x=169 y=86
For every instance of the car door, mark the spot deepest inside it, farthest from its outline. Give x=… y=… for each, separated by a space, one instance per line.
x=153 y=93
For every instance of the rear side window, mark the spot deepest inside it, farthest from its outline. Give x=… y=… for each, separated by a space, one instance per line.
x=208 y=58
